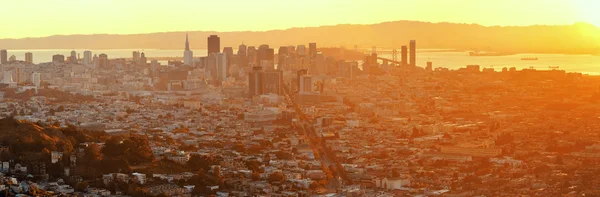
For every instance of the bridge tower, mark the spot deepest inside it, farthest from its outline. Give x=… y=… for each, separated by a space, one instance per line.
x=395 y=55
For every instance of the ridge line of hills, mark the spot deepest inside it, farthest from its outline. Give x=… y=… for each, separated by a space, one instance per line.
x=579 y=38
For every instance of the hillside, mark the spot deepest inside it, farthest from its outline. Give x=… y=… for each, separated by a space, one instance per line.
x=576 y=38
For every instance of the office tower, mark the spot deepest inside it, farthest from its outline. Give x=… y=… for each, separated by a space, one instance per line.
x=252 y=53
x=413 y=53
x=143 y=59
x=36 y=79
x=242 y=50
x=254 y=82
x=318 y=67
x=73 y=57
x=264 y=82
x=404 y=56
x=12 y=58
x=103 y=61
x=95 y=61
x=301 y=50
x=214 y=44
x=429 y=66
x=291 y=50
x=221 y=65
x=228 y=51
x=306 y=84
x=299 y=74
x=3 y=56
x=136 y=57
x=58 y=59
x=312 y=49
x=188 y=55
x=270 y=54
x=242 y=59
x=282 y=54
x=87 y=58
x=154 y=67
x=272 y=81
x=261 y=53
x=8 y=76
x=29 y=58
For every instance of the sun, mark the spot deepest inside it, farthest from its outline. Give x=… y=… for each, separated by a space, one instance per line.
x=588 y=11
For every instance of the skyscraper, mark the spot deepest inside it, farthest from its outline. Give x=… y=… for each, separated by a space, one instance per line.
x=214 y=44
x=73 y=57
x=282 y=54
x=143 y=59
x=404 y=56
x=272 y=81
x=87 y=58
x=36 y=79
x=254 y=82
x=188 y=55
x=29 y=58
x=58 y=59
x=103 y=61
x=312 y=49
x=95 y=61
x=242 y=50
x=251 y=54
x=264 y=82
x=299 y=75
x=221 y=64
x=154 y=67
x=135 y=59
x=301 y=50
x=3 y=56
x=413 y=53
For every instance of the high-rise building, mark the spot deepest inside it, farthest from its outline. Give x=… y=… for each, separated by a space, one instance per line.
x=264 y=82
x=413 y=53
x=12 y=58
x=103 y=61
x=154 y=67
x=301 y=50
x=58 y=59
x=143 y=59
x=306 y=84
x=136 y=57
x=242 y=50
x=3 y=56
x=299 y=74
x=270 y=54
x=429 y=66
x=29 y=58
x=36 y=79
x=272 y=81
x=214 y=44
x=254 y=82
x=282 y=54
x=73 y=57
x=95 y=61
x=404 y=56
x=221 y=64
x=87 y=58
x=188 y=55
x=252 y=53
x=319 y=67
x=312 y=49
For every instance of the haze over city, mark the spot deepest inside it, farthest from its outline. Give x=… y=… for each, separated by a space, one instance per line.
x=300 y=98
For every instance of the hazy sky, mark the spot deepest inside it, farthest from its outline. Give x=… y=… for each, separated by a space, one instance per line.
x=36 y=18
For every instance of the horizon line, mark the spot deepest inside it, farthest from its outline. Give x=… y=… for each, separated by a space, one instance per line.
x=290 y=28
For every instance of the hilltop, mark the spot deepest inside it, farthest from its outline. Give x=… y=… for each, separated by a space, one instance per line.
x=576 y=38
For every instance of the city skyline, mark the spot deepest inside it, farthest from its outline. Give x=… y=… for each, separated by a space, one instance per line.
x=178 y=15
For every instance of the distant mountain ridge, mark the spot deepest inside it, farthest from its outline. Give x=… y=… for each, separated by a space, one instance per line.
x=580 y=38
